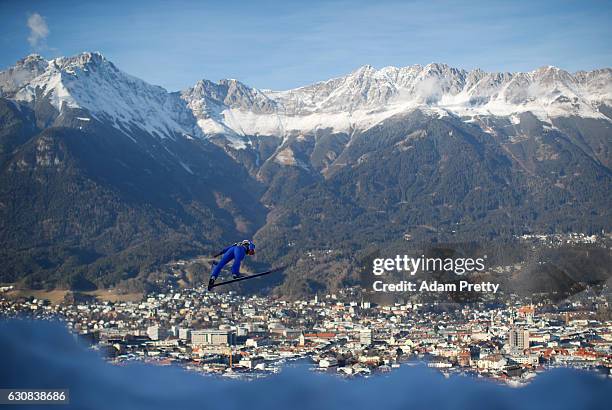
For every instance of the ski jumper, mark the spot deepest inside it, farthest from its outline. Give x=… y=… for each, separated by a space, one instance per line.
x=235 y=252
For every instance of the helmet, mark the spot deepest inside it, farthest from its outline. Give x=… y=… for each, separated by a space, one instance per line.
x=249 y=246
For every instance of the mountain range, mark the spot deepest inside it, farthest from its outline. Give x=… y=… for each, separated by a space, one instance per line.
x=105 y=178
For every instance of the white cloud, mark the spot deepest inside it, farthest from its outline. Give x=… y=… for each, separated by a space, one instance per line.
x=38 y=30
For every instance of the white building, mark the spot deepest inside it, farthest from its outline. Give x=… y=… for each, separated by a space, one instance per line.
x=212 y=337
x=328 y=362
x=365 y=337
x=530 y=359
x=252 y=362
x=184 y=333
x=156 y=332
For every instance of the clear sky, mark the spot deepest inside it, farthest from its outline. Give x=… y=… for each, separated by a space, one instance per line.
x=284 y=44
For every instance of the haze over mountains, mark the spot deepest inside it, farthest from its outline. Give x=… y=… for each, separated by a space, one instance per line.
x=104 y=177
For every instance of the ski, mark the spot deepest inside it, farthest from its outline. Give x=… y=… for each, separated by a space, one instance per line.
x=247 y=277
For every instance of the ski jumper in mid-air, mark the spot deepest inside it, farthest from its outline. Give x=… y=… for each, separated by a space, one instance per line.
x=235 y=252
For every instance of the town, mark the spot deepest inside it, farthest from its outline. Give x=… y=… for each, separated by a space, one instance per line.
x=252 y=336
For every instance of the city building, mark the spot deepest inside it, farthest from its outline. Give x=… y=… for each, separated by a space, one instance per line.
x=212 y=337
x=518 y=338
x=156 y=332
x=365 y=337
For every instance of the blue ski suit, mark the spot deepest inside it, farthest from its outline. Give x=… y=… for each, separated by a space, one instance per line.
x=235 y=252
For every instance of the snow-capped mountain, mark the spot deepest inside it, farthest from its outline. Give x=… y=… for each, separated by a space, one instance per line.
x=367 y=96
x=21 y=73
x=211 y=104
x=91 y=82
x=356 y=101
x=104 y=178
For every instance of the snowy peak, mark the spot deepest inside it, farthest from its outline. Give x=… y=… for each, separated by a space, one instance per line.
x=368 y=88
x=89 y=81
x=208 y=101
x=367 y=96
x=84 y=61
x=355 y=101
x=21 y=73
x=436 y=83
x=206 y=96
x=238 y=95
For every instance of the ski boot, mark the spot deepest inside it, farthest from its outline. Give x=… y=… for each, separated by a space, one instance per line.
x=211 y=282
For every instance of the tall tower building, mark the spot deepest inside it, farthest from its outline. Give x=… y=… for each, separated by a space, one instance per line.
x=365 y=337
x=518 y=338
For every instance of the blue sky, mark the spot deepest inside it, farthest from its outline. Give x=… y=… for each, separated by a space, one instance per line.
x=284 y=44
